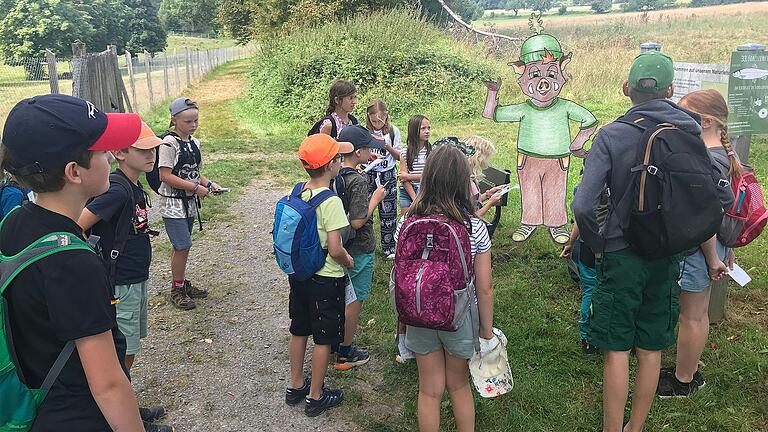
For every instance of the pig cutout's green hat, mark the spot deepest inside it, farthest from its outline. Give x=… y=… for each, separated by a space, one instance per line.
x=537 y=46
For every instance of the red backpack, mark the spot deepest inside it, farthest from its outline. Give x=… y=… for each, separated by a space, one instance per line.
x=432 y=281
x=747 y=218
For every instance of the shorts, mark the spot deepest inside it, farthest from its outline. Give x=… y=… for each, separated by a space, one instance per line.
x=694 y=273
x=635 y=302
x=362 y=275
x=179 y=232
x=316 y=308
x=459 y=343
x=132 y=314
x=405 y=199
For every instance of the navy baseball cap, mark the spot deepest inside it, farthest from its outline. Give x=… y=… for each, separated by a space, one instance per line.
x=44 y=132
x=360 y=137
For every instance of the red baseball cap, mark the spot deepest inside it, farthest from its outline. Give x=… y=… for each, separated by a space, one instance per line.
x=319 y=149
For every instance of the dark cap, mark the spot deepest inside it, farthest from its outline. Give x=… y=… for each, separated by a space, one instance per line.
x=651 y=65
x=44 y=132
x=360 y=137
x=179 y=105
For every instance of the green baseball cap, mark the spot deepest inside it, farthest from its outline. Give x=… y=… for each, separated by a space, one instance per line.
x=653 y=65
x=534 y=48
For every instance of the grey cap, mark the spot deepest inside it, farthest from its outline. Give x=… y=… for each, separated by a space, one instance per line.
x=179 y=105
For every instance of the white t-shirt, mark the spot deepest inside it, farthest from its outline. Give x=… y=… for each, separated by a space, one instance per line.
x=389 y=160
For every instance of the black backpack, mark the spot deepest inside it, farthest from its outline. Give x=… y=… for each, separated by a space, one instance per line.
x=675 y=206
x=339 y=186
x=334 y=132
x=189 y=154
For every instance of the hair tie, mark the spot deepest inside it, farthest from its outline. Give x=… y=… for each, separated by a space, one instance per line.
x=731 y=153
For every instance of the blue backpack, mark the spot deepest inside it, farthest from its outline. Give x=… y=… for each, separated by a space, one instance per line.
x=296 y=241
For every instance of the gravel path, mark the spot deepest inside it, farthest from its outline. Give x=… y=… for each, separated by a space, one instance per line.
x=224 y=366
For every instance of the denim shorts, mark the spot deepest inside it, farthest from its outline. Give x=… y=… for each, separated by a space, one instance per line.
x=405 y=199
x=179 y=232
x=694 y=273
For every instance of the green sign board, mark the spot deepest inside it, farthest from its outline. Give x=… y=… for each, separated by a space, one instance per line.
x=748 y=93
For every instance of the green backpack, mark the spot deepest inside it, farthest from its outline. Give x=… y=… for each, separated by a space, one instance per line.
x=18 y=403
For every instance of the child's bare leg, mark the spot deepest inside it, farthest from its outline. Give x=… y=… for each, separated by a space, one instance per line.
x=129 y=359
x=615 y=389
x=431 y=389
x=179 y=264
x=297 y=346
x=456 y=372
x=351 y=318
x=648 y=364
x=320 y=356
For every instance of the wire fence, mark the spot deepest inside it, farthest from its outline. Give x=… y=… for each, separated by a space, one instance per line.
x=148 y=79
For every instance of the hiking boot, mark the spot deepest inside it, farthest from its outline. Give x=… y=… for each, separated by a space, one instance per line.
x=193 y=292
x=588 y=348
x=181 y=300
x=355 y=357
x=523 y=233
x=330 y=398
x=151 y=427
x=295 y=395
x=669 y=386
x=560 y=235
x=152 y=414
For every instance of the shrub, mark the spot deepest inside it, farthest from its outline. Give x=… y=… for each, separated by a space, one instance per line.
x=394 y=55
x=562 y=10
x=601 y=6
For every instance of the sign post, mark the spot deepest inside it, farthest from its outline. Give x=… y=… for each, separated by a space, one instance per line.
x=748 y=96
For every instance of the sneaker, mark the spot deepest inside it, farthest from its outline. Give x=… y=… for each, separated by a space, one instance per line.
x=560 y=235
x=523 y=233
x=152 y=414
x=355 y=357
x=391 y=257
x=151 y=427
x=404 y=354
x=295 y=395
x=193 y=292
x=669 y=386
x=330 y=398
x=181 y=300
x=588 y=348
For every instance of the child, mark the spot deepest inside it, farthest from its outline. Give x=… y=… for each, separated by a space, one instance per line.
x=360 y=214
x=707 y=263
x=412 y=164
x=57 y=146
x=442 y=356
x=479 y=162
x=377 y=121
x=316 y=306
x=342 y=98
x=131 y=275
x=12 y=195
x=179 y=194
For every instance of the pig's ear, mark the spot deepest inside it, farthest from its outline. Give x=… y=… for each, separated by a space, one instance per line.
x=564 y=60
x=518 y=66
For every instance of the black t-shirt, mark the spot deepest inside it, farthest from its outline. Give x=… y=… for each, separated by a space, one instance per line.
x=134 y=260
x=63 y=297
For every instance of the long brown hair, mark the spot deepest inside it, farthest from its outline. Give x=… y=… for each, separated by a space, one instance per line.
x=414 y=132
x=377 y=106
x=339 y=89
x=444 y=187
x=710 y=103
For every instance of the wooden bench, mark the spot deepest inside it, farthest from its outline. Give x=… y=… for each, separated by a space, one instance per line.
x=495 y=177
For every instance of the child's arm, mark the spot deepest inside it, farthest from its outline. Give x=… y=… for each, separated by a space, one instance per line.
x=717 y=269
x=492 y=201
x=87 y=219
x=326 y=127
x=176 y=182
x=405 y=178
x=205 y=181
x=337 y=251
x=107 y=381
x=484 y=288
x=376 y=198
x=568 y=247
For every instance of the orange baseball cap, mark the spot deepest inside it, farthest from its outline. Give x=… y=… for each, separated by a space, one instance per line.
x=319 y=149
x=147 y=138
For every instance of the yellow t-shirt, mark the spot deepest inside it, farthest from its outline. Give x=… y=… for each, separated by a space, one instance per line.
x=330 y=217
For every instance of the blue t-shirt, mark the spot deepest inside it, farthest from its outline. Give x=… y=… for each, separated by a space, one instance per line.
x=12 y=196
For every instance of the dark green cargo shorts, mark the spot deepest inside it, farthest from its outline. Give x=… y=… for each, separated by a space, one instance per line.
x=635 y=302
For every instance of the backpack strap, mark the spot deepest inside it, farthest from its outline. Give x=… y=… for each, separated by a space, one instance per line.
x=636 y=120
x=318 y=199
x=339 y=186
x=124 y=225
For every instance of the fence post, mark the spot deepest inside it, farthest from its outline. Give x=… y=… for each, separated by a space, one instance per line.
x=199 y=66
x=132 y=82
x=148 y=70
x=186 y=64
x=79 y=71
x=176 y=71
x=166 y=92
x=113 y=69
x=53 y=75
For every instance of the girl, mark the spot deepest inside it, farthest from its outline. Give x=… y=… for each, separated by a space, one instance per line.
x=342 y=98
x=479 y=162
x=377 y=121
x=707 y=263
x=412 y=164
x=442 y=356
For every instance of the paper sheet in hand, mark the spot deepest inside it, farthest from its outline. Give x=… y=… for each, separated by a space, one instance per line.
x=739 y=275
x=373 y=164
x=349 y=294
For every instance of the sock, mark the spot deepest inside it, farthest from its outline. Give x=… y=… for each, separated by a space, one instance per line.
x=344 y=350
x=178 y=283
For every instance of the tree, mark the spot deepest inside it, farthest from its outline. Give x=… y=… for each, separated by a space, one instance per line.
x=32 y=26
x=469 y=10
x=236 y=17
x=143 y=26
x=110 y=19
x=601 y=6
x=541 y=6
x=515 y=5
x=643 y=5
x=188 y=15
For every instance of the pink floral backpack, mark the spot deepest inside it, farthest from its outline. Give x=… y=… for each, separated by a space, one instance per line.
x=432 y=283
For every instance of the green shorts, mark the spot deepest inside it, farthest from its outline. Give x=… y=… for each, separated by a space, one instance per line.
x=132 y=314
x=635 y=302
x=362 y=275
x=460 y=343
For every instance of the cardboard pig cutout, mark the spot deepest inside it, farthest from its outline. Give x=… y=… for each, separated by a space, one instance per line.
x=544 y=145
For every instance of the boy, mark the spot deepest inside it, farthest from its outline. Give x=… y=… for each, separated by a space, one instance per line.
x=316 y=306
x=131 y=275
x=57 y=146
x=182 y=186
x=362 y=246
x=634 y=304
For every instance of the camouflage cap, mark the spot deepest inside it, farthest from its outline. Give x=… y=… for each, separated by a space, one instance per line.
x=535 y=48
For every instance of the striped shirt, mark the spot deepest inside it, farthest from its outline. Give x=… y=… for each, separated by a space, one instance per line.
x=479 y=240
x=418 y=164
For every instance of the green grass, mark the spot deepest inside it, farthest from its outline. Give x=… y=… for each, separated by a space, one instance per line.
x=198 y=43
